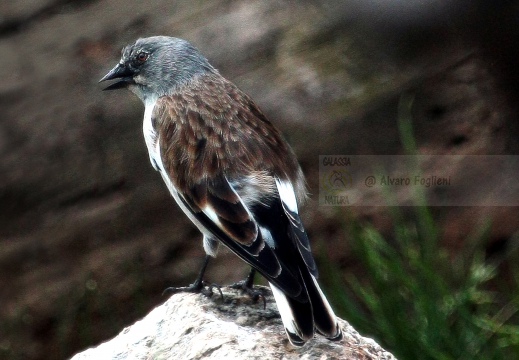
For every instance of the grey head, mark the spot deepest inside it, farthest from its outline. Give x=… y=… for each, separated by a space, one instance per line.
x=156 y=66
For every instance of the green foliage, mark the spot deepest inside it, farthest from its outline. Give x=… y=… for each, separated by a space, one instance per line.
x=420 y=301
x=422 y=304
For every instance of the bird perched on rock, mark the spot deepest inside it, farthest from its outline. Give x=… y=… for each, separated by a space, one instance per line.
x=230 y=171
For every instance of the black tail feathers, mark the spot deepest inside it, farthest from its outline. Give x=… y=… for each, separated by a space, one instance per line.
x=302 y=318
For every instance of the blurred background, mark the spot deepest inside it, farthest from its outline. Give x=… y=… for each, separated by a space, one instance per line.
x=90 y=237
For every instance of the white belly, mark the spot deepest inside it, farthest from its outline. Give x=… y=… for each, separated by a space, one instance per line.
x=150 y=136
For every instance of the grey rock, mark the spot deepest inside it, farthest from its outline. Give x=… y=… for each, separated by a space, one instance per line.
x=192 y=326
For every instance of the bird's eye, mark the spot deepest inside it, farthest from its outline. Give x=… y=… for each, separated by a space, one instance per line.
x=142 y=56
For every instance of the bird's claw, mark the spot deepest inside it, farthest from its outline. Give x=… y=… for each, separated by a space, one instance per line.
x=203 y=287
x=254 y=294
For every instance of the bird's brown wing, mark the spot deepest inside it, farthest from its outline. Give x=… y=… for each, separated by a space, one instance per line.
x=199 y=149
x=211 y=127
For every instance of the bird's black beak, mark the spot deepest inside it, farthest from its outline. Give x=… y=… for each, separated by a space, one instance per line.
x=122 y=72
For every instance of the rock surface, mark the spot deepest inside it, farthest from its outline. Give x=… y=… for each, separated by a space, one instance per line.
x=191 y=326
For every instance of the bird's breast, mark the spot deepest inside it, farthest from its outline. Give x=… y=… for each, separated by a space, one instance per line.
x=150 y=133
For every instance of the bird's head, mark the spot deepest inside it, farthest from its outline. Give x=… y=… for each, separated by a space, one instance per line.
x=156 y=66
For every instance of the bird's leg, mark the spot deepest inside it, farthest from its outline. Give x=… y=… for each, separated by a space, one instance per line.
x=249 y=280
x=199 y=286
x=247 y=286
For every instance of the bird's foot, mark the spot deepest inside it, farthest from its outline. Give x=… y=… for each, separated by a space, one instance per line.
x=248 y=288
x=198 y=287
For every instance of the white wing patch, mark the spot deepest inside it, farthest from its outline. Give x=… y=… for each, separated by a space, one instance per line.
x=211 y=214
x=287 y=194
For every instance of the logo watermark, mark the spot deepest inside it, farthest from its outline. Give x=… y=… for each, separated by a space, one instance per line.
x=398 y=180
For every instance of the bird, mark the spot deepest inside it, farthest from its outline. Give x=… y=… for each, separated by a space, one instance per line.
x=230 y=171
